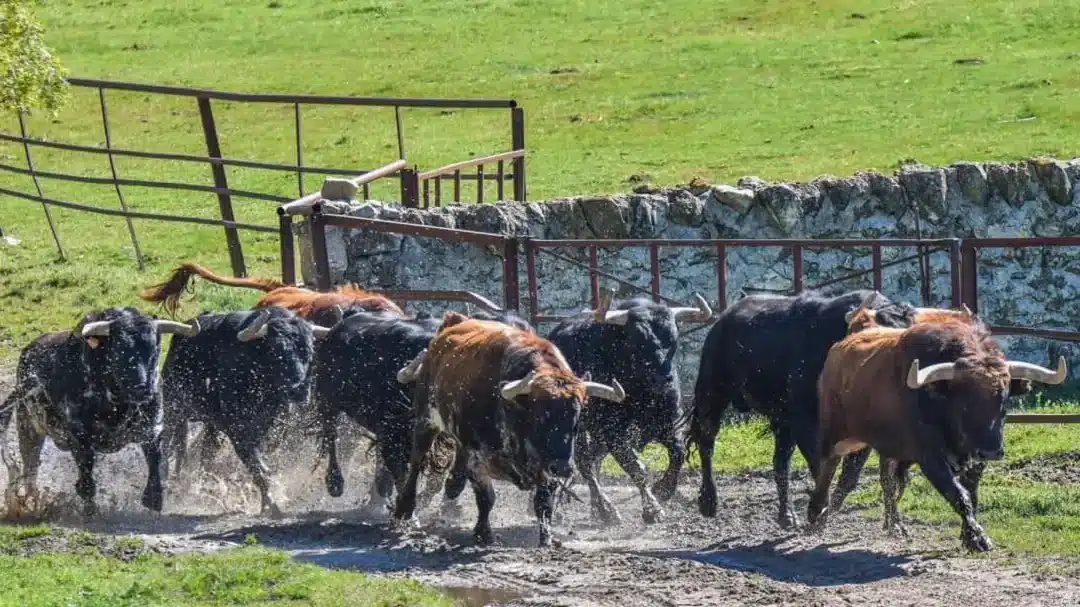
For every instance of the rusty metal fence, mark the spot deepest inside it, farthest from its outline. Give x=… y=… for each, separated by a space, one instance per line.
x=510 y=165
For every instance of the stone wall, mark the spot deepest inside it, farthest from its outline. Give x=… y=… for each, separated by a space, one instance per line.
x=1027 y=287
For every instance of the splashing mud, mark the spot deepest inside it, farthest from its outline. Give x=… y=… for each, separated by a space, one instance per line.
x=740 y=558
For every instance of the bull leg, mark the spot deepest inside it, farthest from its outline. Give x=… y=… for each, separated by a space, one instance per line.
x=335 y=481
x=153 y=496
x=664 y=489
x=23 y=495
x=485 y=501
x=651 y=512
x=251 y=456
x=894 y=476
x=380 y=491
x=544 y=507
x=587 y=457
x=783 y=449
x=969 y=479
x=85 y=486
x=454 y=485
x=703 y=432
x=817 y=511
x=850 y=471
x=424 y=434
x=937 y=471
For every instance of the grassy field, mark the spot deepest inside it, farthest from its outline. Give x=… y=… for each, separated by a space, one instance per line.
x=663 y=91
x=44 y=566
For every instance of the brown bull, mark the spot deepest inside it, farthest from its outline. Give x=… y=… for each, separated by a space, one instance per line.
x=511 y=402
x=304 y=302
x=932 y=394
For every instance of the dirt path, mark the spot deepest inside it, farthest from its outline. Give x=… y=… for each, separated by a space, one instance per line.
x=740 y=558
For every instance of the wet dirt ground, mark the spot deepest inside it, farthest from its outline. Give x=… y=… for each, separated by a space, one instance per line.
x=742 y=557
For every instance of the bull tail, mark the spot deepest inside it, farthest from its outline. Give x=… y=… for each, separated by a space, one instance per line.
x=7 y=410
x=168 y=293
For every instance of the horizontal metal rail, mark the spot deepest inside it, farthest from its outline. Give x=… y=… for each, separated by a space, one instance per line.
x=302 y=206
x=138 y=214
x=308 y=99
x=462 y=296
x=1043 y=418
x=834 y=243
x=168 y=185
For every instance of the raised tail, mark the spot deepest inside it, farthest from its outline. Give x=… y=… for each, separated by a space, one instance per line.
x=168 y=293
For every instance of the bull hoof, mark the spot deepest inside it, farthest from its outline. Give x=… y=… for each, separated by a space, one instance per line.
x=89 y=509
x=450 y=510
x=152 y=500
x=664 y=491
x=548 y=542
x=787 y=520
x=896 y=530
x=976 y=540
x=651 y=516
x=607 y=513
x=335 y=485
x=484 y=537
x=271 y=510
x=707 y=505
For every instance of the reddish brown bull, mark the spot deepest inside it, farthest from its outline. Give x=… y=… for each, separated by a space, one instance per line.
x=511 y=402
x=304 y=302
x=932 y=394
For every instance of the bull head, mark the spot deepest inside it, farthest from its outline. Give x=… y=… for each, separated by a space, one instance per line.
x=410 y=371
x=614 y=392
x=100 y=328
x=917 y=378
x=702 y=313
x=864 y=306
x=259 y=327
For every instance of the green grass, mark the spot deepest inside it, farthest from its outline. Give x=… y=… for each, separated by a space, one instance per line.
x=44 y=566
x=671 y=91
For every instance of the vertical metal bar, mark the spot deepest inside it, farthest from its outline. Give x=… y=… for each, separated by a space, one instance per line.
x=955 y=266
x=969 y=273
x=410 y=188
x=480 y=184
x=319 y=257
x=654 y=270
x=457 y=186
x=797 y=268
x=876 y=252
x=594 y=277
x=213 y=149
x=511 y=294
x=427 y=193
x=400 y=132
x=517 y=136
x=299 y=149
x=500 y=174
x=37 y=185
x=367 y=191
x=928 y=287
x=286 y=248
x=534 y=288
x=438 y=191
x=119 y=193
x=721 y=275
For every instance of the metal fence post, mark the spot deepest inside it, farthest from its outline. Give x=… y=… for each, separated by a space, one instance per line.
x=511 y=288
x=213 y=149
x=319 y=257
x=534 y=288
x=119 y=192
x=517 y=135
x=37 y=186
x=955 y=273
x=969 y=273
x=410 y=188
x=287 y=247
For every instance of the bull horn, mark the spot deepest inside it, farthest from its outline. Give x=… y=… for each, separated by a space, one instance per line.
x=256 y=330
x=966 y=310
x=702 y=313
x=98 y=328
x=614 y=392
x=917 y=378
x=171 y=326
x=1021 y=370
x=513 y=389
x=409 y=372
x=604 y=314
x=319 y=332
x=864 y=305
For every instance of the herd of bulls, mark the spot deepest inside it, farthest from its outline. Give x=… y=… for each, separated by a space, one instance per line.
x=471 y=398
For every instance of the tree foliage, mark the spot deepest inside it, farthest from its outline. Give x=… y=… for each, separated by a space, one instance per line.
x=30 y=76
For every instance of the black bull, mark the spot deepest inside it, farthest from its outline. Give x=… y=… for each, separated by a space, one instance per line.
x=238 y=376
x=764 y=355
x=355 y=374
x=92 y=390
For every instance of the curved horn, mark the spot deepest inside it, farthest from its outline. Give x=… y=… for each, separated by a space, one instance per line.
x=256 y=330
x=917 y=378
x=409 y=372
x=1021 y=370
x=702 y=313
x=864 y=305
x=518 y=387
x=98 y=328
x=319 y=331
x=966 y=310
x=171 y=326
x=614 y=392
